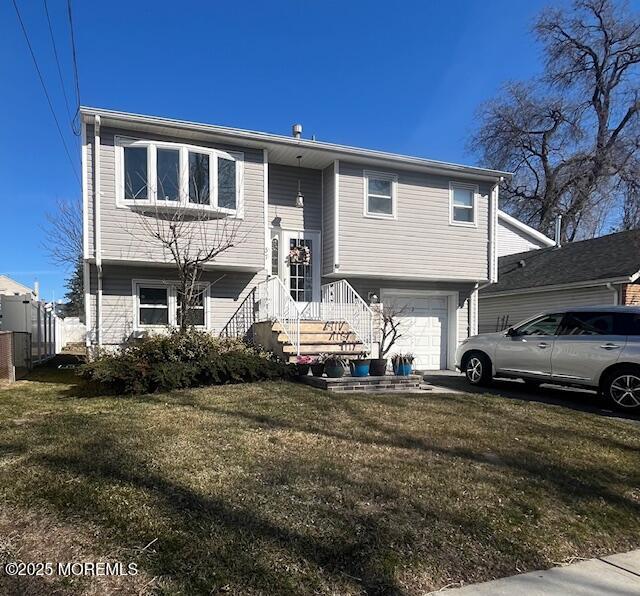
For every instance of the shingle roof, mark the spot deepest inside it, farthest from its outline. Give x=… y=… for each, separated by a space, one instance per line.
x=608 y=257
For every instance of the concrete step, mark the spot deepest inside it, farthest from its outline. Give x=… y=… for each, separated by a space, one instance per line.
x=322 y=337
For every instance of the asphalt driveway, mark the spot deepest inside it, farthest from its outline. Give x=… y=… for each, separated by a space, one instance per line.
x=575 y=399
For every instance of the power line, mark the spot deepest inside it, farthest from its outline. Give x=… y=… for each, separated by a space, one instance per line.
x=46 y=93
x=55 y=53
x=75 y=58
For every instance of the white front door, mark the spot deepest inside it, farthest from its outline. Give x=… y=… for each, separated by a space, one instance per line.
x=302 y=280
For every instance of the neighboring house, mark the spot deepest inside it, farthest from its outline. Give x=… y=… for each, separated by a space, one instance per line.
x=10 y=287
x=418 y=233
x=515 y=236
x=598 y=272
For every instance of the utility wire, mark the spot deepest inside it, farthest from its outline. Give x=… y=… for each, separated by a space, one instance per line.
x=75 y=58
x=46 y=93
x=64 y=91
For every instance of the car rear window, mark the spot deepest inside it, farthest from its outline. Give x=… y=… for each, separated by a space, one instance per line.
x=601 y=323
x=627 y=323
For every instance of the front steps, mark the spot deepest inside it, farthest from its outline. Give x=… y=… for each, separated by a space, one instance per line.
x=316 y=337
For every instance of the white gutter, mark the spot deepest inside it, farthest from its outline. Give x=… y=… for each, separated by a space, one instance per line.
x=615 y=293
x=262 y=137
x=97 y=222
x=567 y=286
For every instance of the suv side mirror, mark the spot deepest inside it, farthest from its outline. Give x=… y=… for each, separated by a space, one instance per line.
x=511 y=332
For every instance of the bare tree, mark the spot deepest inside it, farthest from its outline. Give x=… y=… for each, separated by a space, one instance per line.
x=572 y=138
x=390 y=328
x=188 y=232
x=64 y=244
x=63 y=233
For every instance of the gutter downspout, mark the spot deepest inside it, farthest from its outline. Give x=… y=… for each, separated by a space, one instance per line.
x=492 y=256
x=616 y=298
x=97 y=219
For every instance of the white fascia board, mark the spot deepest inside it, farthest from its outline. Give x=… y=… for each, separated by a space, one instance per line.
x=400 y=277
x=523 y=227
x=339 y=151
x=568 y=286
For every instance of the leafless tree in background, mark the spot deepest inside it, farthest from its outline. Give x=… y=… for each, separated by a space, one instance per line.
x=63 y=233
x=572 y=138
x=63 y=243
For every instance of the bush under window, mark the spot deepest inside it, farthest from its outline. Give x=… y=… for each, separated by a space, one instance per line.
x=181 y=360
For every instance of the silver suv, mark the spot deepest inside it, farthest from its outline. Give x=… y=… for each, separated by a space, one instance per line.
x=592 y=347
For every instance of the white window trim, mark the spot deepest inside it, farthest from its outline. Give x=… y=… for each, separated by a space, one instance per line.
x=474 y=206
x=172 y=303
x=183 y=202
x=393 y=178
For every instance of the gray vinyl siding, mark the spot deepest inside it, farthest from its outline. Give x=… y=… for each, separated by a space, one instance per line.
x=283 y=189
x=365 y=286
x=512 y=241
x=227 y=291
x=123 y=236
x=328 y=214
x=420 y=241
x=517 y=307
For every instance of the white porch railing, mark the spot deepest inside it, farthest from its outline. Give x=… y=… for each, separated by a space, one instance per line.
x=277 y=305
x=338 y=302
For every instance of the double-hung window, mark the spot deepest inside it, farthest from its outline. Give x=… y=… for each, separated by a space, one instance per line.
x=175 y=175
x=153 y=305
x=196 y=312
x=157 y=304
x=380 y=195
x=462 y=199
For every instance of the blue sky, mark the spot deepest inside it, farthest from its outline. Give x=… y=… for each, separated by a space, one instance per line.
x=402 y=76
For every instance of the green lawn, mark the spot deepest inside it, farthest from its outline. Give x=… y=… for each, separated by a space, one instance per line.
x=277 y=488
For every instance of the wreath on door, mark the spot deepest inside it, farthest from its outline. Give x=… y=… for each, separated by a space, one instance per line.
x=300 y=255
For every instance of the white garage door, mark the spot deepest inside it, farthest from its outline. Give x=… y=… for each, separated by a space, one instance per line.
x=424 y=328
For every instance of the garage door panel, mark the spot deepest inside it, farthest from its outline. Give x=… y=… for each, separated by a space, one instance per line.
x=424 y=328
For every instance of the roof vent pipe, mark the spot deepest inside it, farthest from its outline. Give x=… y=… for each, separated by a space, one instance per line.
x=296 y=130
x=558 y=229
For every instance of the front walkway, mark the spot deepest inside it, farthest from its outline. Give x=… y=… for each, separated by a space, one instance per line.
x=617 y=574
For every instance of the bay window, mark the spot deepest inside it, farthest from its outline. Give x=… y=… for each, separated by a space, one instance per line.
x=172 y=175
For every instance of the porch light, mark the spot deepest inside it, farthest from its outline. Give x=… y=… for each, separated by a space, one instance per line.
x=299 y=196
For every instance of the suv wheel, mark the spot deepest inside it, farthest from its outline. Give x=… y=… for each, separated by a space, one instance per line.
x=477 y=369
x=622 y=388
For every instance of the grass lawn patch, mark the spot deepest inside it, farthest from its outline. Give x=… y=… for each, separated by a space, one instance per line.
x=279 y=488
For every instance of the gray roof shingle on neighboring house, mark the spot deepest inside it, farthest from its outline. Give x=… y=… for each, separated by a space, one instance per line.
x=608 y=257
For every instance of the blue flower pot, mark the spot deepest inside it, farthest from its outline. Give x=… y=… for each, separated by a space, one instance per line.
x=359 y=368
x=402 y=369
